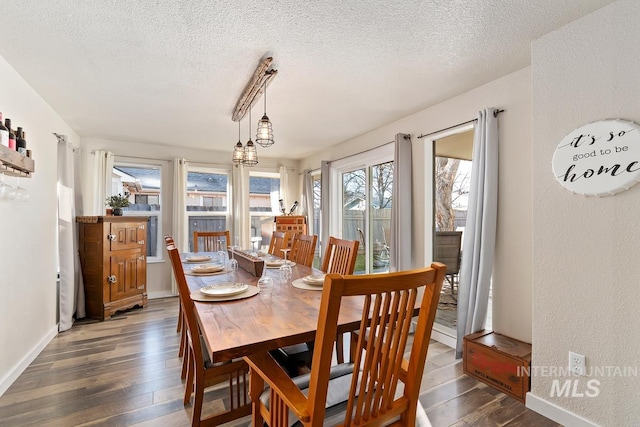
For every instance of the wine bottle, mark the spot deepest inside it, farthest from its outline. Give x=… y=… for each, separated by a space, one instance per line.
x=4 y=133
x=12 y=136
x=21 y=144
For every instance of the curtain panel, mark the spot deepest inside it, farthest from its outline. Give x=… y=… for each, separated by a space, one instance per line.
x=72 y=302
x=402 y=207
x=476 y=267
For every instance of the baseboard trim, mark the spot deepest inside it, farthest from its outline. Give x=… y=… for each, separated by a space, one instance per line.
x=23 y=364
x=443 y=338
x=161 y=294
x=556 y=413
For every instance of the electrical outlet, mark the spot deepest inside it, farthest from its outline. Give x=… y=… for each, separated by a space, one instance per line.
x=577 y=363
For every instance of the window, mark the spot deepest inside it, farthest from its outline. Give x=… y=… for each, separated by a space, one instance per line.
x=264 y=194
x=362 y=187
x=143 y=184
x=207 y=201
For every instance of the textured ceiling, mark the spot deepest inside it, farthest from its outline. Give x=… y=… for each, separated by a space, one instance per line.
x=170 y=72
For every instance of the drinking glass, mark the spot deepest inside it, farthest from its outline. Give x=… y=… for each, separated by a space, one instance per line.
x=233 y=264
x=265 y=281
x=22 y=194
x=7 y=192
x=285 y=273
x=285 y=251
x=221 y=254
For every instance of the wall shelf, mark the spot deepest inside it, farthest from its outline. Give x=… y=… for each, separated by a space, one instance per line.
x=15 y=164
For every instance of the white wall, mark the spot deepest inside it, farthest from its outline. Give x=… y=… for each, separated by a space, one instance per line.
x=585 y=249
x=512 y=274
x=159 y=273
x=28 y=232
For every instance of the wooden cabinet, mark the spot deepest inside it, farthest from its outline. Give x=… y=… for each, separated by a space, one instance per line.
x=499 y=361
x=113 y=254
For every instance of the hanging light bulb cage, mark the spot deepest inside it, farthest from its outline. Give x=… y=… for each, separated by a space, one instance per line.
x=264 y=137
x=250 y=154
x=238 y=153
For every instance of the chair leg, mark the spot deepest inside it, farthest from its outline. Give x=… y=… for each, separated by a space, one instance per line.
x=340 y=348
x=198 y=400
x=183 y=340
x=188 y=385
x=179 y=327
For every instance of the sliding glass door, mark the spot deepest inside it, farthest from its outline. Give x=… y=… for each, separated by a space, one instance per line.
x=365 y=208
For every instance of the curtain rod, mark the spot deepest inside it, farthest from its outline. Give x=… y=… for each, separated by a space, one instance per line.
x=361 y=152
x=495 y=114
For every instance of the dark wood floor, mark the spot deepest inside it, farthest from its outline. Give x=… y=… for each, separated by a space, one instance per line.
x=125 y=371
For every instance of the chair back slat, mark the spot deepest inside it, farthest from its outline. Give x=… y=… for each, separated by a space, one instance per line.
x=303 y=249
x=340 y=256
x=211 y=241
x=279 y=240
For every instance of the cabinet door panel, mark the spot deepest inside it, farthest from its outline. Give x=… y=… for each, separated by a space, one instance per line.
x=126 y=271
x=127 y=235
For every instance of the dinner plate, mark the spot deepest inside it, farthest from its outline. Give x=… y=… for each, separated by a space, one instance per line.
x=207 y=268
x=224 y=289
x=277 y=263
x=198 y=258
x=314 y=279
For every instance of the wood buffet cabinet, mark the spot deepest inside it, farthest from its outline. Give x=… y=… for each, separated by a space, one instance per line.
x=113 y=255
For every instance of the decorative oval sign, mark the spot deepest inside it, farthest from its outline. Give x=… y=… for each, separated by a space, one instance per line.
x=599 y=159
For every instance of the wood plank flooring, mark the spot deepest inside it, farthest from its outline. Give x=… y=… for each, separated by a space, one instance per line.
x=125 y=371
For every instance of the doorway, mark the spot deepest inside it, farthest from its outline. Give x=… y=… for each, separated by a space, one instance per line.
x=452 y=157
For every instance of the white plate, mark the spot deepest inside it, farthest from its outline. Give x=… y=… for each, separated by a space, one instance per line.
x=198 y=258
x=207 y=268
x=224 y=289
x=314 y=279
x=277 y=263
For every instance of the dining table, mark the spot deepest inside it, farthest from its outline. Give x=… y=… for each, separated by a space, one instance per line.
x=278 y=315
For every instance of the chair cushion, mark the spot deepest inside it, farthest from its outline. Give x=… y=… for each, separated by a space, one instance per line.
x=337 y=396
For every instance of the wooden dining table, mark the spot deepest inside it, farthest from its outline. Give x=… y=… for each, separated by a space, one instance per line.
x=278 y=316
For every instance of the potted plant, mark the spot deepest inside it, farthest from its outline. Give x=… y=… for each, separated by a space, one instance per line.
x=117 y=202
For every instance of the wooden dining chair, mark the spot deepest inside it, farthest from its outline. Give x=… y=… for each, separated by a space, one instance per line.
x=201 y=372
x=211 y=241
x=340 y=258
x=279 y=240
x=380 y=387
x=303 y=249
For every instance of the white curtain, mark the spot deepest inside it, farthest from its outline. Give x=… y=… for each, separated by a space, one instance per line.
x=101 y=181
x=241 y=217
x=325 y=208
x=480 y=229
x=180 y=226
x=307 y=199
x=284 y=187
x=71 y=286
x=402 y=206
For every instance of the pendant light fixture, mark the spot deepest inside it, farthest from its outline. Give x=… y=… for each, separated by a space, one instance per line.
x=264 y=136
x=238 y=151
x=250 y=152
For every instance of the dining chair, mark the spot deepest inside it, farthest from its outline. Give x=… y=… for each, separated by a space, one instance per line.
x=201 y=372
x=279 y=240
x=303 y=249
x=180 y=326
x=380 y=387
x=211 y=240
x=340 y=258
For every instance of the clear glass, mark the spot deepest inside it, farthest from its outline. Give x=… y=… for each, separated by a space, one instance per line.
x=22 y=194
x=7 y=192
x=265 y=281
x=221 y=254
x=285 y=273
